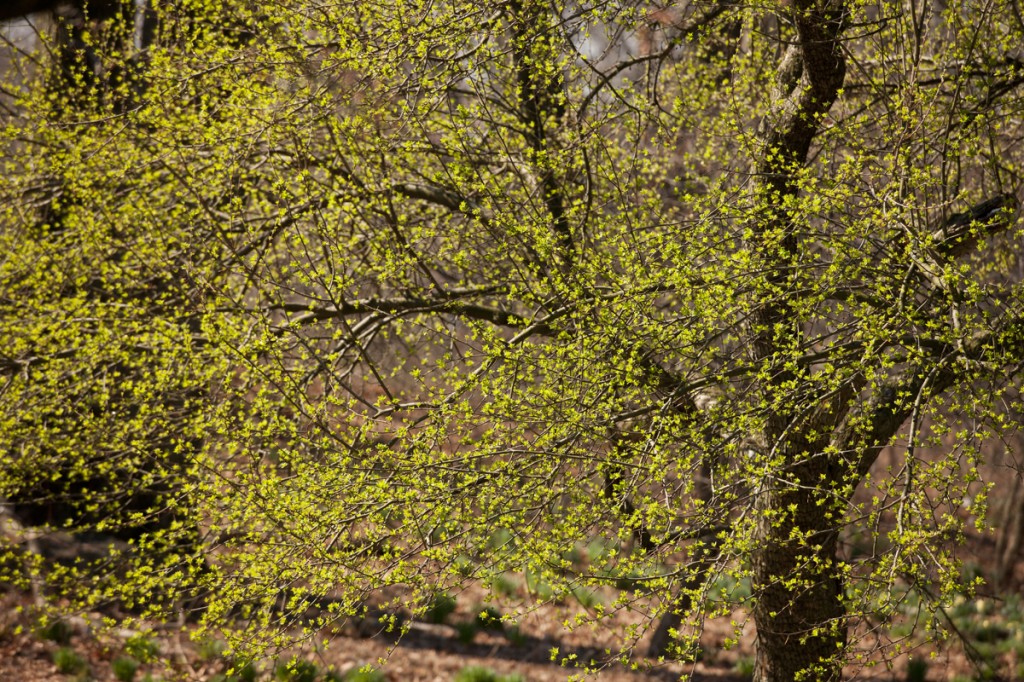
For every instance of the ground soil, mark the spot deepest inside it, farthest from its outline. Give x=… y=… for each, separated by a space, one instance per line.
x=426 y=653
x=435 y=652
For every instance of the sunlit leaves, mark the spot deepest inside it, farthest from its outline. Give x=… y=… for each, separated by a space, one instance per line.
x=361 y=285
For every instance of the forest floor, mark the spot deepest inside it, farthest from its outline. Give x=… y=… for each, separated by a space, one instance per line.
x=986 y=643
x=441 y=653
x=427 y=652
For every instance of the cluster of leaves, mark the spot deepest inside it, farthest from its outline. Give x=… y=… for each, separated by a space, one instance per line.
x=301 y=302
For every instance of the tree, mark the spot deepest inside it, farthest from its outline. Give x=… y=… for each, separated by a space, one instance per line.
x=102 y=401
x=671 y=277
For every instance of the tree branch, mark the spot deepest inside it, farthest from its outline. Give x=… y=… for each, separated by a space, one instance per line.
x=541 y=102
x=868 y=428
x=963 y=230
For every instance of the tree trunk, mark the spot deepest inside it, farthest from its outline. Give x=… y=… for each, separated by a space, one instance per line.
x=1011 y=533
x=799 y=613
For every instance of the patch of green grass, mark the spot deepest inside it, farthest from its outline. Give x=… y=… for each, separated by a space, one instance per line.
x=69 y=661
x=993 y=628
x=972 y=571
x=1012 y=608
x=245 y=673
x=504 y=585
x=515 y=635
x=1014 y=645
x=440 y=607
x=987 y=671
x=57 y=630
x=587 y=597
x=466 y=631
x=124 y=668
x=488 y=618
x=142 y=648
x=241 y=673
x=364 y=674
x=297 y=670
x=745 y=667
x=464 y=566
x=479 y=673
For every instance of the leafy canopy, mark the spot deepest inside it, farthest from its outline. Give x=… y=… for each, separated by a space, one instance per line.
x=319 y=297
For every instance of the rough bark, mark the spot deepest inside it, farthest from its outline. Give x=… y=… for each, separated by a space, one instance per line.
x=799 y=613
